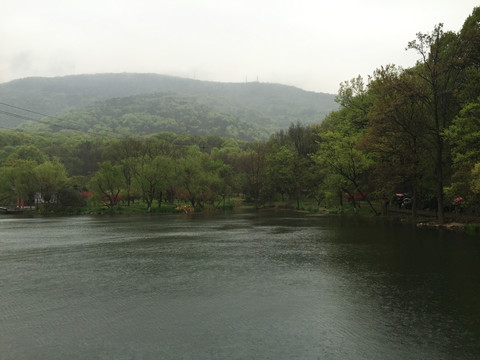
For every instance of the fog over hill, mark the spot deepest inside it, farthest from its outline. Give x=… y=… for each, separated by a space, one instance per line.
x=269 y=107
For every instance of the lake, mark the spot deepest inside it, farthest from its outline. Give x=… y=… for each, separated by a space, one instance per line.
x=247 y=285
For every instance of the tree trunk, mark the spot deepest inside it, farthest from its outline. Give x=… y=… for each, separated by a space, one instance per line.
x=159 y=199
x=340 y=198
x=371 y=206
x=414 y=202
x=440 y=214
x=352 y=199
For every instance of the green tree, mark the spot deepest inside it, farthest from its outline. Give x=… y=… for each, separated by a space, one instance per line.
x=28 y=152
x=7 y=186
x=397 y=133
x=463 y=135
x=22 y=179
x=108 y=182
x=152 y=177
x=226 y=181
x=339 y=152
x=469 y=38
x=251 y=163
x=475 y=179
x=125 y=152
x=439 y=68
x=279 y=170
x=353 y=96
x=199 y=177
x=89 y=155
x=51 y=177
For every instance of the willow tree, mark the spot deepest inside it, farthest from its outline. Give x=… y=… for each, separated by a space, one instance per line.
x=152 y=177
x=21 y=179
x=199 y=177
x=51 y=177
x=107 y=183
x=126 y=152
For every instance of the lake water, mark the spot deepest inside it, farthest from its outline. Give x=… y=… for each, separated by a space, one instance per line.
x=253 y=285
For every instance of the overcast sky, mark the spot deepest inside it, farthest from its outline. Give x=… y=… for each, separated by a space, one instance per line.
x=311 y=44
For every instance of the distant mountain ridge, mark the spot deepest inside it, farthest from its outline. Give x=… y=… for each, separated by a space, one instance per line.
x=267 y=106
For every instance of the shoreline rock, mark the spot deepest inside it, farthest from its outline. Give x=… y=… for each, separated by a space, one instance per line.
x=453 y=226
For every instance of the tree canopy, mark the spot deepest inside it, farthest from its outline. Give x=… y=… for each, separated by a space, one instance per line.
x=413 y=132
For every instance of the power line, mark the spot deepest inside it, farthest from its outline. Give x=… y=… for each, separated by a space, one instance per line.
x=23 y=117
x=27 y=110
x=16 y=115
x=49 y=123
x=203 y=147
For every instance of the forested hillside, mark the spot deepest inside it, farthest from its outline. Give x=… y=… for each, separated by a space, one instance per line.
x=150 y=114
x=267 y=106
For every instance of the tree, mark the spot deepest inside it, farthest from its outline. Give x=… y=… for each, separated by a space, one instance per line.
x=89 y=153
x=475 y=179
x=252 y=164
x=125 y=152
x=29 y=152
x=439 y=67
x=7 y=186
x=279 y=170
x=397 y=133
x=22 y=180
x=353 y=96
x=199 y=177
x=51 y=177
x=226 y=180
x=469 y=38
x=108 y=182
x=152 y=176
x=339 y=152
x=463 y=135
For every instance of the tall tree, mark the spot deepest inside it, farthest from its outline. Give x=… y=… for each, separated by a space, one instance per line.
x=252 y=164
x=340 y=153
x=279 y=170
x=396 y=135
x=439 y=68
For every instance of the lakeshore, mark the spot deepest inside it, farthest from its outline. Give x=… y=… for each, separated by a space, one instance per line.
x=425 y=219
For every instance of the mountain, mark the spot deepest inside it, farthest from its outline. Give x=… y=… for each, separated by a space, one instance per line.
x=263 y=107
x=150 y=114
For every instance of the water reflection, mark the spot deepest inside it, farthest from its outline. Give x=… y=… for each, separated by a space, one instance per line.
x=249 y=285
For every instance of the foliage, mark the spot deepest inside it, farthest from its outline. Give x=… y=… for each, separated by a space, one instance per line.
x=51 y=177
x=107 y=183
x=152 y=176
x=412 y=131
